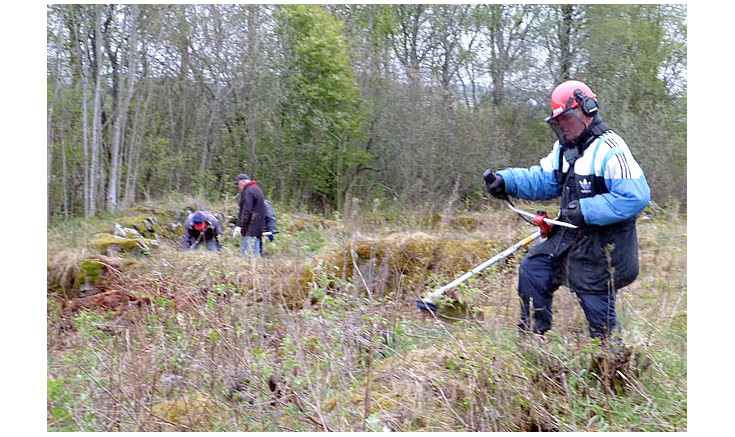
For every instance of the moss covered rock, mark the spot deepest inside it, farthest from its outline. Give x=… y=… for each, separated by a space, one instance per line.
x=146 y=225
x=73 y=273
x=159 y=223
x=108 y=243
x=90 y=274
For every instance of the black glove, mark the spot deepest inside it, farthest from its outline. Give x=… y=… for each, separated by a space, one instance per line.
x=572 y=213
x=494 y=184
x=271 y=237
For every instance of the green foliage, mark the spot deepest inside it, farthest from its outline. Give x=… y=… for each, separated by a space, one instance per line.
x=635 y=61
x=323 y=116
x=628 y=53
x=59 y=399
x=326 y=103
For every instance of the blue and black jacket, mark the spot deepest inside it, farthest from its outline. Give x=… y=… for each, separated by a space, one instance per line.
x=602 y=174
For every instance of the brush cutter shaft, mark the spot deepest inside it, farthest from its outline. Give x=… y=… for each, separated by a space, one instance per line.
x=502 y=255
x=429 y=299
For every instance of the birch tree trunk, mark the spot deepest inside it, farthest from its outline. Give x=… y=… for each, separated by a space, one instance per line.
x=96 y=121
x=85 y=121
x=49 y=119
x=121 y=118
x=133 y=153
x=64 y=194
x=139 y=125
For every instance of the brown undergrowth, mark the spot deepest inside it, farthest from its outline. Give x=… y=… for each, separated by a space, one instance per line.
x=330 y=339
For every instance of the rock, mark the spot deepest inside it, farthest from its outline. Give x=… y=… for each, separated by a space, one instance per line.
x=146 y=225
x=125 y=232
x=90 y=275
x=110 y=244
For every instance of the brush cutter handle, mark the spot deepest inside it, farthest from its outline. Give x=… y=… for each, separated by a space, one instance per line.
x=545 y=219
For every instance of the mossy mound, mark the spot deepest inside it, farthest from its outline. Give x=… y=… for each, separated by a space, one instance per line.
x=293 y=223
x=62 y=272
x=196 y=412
x=74 y=272
x=108 y=243
x=465 y=222
x=431 y=220
x=461 y=222
x=405 y=261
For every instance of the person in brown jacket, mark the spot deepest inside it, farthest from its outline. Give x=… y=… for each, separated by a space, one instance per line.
x=251 y=218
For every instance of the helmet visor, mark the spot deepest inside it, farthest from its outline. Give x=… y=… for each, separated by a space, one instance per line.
x=567 y=126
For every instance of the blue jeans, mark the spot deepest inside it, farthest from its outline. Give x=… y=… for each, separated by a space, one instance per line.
x=250 y=245
x=535 y=284
x=211 y=245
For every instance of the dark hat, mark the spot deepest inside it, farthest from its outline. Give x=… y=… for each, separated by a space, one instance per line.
x=241 y=177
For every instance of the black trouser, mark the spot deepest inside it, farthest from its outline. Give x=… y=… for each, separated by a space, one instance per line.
x=536 y=284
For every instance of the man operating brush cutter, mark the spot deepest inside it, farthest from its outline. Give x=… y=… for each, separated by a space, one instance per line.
x=602 y=190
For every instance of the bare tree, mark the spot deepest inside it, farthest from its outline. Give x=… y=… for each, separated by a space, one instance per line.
x=80 y=34
x=141 y=111
x=451 y=23
x=49 y=117
x=97 y=113
x=122 y=112
x=413 y=39
x=508 y=27
x=562 y=35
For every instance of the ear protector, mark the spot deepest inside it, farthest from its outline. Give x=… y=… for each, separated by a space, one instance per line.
x=588 y=104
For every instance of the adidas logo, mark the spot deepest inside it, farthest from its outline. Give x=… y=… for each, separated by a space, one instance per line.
x=585 y=186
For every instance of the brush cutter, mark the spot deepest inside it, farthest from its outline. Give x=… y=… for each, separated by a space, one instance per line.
x=540 y=219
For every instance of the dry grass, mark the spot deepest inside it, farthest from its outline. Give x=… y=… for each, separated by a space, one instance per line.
x=323 y=334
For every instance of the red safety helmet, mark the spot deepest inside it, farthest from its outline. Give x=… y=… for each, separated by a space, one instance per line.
x=567 y=96
x=564 y=97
